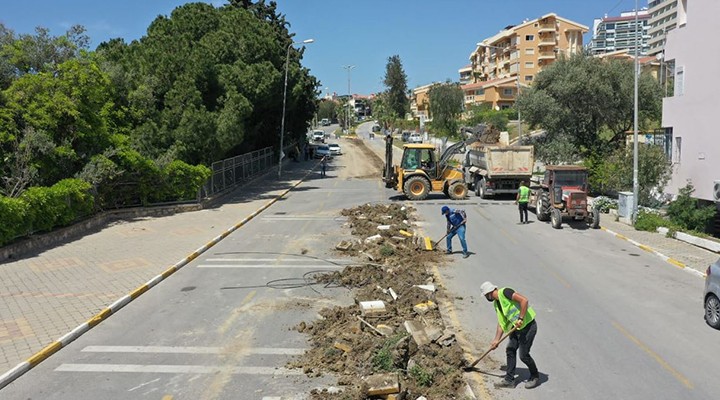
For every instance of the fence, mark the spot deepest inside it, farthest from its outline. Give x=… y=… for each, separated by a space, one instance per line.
x=232 y=171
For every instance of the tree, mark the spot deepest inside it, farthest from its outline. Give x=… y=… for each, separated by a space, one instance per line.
x=327 y=110
x=589 y=101
x=396 y=83
x=484 y=113
x=446 y=104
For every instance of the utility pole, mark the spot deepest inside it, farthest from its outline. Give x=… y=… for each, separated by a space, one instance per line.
x=636 y=185
x=517 y=95
x=347 y=119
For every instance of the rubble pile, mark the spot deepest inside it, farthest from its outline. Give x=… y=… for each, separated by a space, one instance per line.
x=392 y=343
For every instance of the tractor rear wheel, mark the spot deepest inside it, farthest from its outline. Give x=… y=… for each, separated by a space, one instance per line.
x=457 y=191
x=555 y=218
x=416 y=188
x=542 y=207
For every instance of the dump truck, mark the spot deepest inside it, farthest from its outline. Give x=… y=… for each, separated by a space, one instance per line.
x=492 y=167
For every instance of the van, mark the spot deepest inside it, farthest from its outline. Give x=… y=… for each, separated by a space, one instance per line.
x=318 y=136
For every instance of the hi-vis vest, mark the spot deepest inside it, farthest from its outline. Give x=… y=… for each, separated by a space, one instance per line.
x=508 y=311
x=524 y=194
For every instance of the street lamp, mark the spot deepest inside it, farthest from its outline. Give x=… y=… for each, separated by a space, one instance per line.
x=282 y=122
x=517 y=81
x=636 y=185
x=347 y=119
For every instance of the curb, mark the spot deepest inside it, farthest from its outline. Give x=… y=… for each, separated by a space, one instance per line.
x=665 y=258
x=68 y=338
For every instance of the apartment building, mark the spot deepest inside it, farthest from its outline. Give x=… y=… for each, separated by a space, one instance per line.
x=612 y=34
x=663 y=18
x=690 y=115
x=420 y=102
x=510 y=60
x=465 y=74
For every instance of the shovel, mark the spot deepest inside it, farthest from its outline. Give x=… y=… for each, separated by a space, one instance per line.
x=434 y=246
x=474 y=363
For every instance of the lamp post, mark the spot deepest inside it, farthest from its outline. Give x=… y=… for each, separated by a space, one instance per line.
x=347 y=119
x=517 y=81
x=636 y=185
x=282 y=121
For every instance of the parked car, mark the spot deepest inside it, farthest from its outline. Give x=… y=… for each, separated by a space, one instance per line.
x=375 y=128
x=415 y=137
x=712 y=295
x=318 y=136
x=335 y=149
x=406 y=136
x=324 y=122
x=322 y=151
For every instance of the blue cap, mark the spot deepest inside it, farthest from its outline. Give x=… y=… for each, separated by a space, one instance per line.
x=445 y=209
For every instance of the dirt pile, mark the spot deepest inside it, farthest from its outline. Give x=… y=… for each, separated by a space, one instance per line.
x=392 y=343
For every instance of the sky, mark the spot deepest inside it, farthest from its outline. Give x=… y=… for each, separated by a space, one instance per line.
x=434 y=38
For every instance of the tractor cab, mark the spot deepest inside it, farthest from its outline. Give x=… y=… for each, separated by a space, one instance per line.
x=563 y=194
x=566 y=182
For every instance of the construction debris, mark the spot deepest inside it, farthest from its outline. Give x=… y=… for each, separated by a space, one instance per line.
x=343 y=245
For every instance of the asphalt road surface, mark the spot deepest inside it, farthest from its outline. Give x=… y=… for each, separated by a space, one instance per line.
x=613 y=322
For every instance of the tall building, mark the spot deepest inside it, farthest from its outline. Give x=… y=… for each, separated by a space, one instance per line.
x=689 y=113
x=619 y=33
x=663 y=18
x=504 y=63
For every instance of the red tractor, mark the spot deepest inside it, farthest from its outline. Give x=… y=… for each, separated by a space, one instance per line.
x=563 y=195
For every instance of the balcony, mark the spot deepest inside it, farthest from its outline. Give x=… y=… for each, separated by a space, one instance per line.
x=547 y=42
x=542 y=28
x=546 y=55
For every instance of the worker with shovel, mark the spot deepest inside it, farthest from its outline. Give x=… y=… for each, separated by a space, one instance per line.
x=516 y=318
x=456 y=220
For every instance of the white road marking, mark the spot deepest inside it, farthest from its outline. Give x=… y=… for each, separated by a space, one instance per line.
x=298 y=260
x=188 y=350
x=302 y=218
x=176 y=369
x=309 y=266
x=143 y=384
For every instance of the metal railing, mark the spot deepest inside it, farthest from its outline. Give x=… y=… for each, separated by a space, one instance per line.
x=230 y=172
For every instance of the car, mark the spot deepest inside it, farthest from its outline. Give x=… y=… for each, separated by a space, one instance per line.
x=406 y=136
x=318 y=136
x=712 y=295
x=335 y=149
x=415 y=137
x=375 y=128
x=322 y=151
x=325 y=122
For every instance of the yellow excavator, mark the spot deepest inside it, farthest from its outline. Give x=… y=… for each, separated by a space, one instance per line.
x=421 y=171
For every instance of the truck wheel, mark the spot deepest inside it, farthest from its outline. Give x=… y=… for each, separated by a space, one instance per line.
x=481 y=189
x=416 y=188
x=457 y=191
x=555 y=218
x=476 y=186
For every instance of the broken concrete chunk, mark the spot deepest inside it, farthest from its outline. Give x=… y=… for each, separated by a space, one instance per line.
x=405 y=233
x=447 y=338
x=423 y=308
x=426 y=287
x=379 y=385
x=384 y=227
x=417 y=331
x=373 y=238
x=344 y=245
x=342 y=346
x=434 y=332
x=398 y=238
x=387 y=216
x=372 y=307
x=385 y=329
x=393 y=294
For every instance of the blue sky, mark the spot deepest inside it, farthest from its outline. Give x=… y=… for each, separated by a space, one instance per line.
x=432 y=37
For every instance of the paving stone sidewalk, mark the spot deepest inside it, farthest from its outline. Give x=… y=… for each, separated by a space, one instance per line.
x=46 y=295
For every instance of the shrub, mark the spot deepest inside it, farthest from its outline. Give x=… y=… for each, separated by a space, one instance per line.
x=648 y=221
x=687 y=214
x=386 y=251
x=58 y=205
x=422 y=376
x=605 y=204
x=184 y=180
x=13 y=214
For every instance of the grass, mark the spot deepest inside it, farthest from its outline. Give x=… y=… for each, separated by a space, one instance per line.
x=422 y=376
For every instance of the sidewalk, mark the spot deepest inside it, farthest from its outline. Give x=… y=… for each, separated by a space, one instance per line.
x=677 y=253
x=48 y=294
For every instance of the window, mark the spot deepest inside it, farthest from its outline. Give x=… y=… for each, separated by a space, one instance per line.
x=528 y=78
x=507 y=91
x=529 y=38
x=678 y=149
x=609 y=26
x=530 y=51
x=529 y=64
x=479 y=92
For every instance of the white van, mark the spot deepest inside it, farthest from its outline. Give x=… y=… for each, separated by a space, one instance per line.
x=318 y=136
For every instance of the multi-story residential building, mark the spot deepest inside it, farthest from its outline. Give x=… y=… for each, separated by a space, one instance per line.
x=465 y=74
x=663 y=18
x=420 y=102
x=619 y=33
x=511 y=59
x=690 y=115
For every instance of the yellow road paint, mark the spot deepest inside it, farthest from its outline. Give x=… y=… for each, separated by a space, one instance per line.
x=99 y=317
x=44 y=353
x=676 y=263
x=137 y=292
x=677 y=375
x=619 y=236
x=222 y=329
x=649 y=250
x=167 y=397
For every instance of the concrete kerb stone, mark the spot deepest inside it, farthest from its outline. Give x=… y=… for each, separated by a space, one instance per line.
x=648 y=249
x=37 y=358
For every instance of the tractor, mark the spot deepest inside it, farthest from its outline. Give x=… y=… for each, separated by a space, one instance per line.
x=421 y=171
x=563 y=195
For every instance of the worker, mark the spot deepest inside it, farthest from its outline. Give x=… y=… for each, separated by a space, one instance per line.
x=456 y=220
x=323 y=166
x=512 y=310
x=522 y=199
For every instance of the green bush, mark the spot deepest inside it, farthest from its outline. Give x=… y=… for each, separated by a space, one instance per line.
x=58 y=205
x=184 y=180
x=13 y=214
x=649 y=221
x=686 y=213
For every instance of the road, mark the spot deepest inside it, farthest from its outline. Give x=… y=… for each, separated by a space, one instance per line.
x=613 y=321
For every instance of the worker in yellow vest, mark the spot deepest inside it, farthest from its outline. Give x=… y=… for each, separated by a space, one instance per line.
x=513 y=310
x=522 y=199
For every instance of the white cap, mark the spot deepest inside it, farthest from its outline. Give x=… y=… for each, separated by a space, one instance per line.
x=487 y=287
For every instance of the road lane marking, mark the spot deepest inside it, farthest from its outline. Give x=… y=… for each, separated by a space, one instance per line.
x=190 y=350
x=677 y=375
x=312 y=266
x=298 y=260
x=143 y=384
x=177 y=369
x=302 y=218
x=235 y=313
